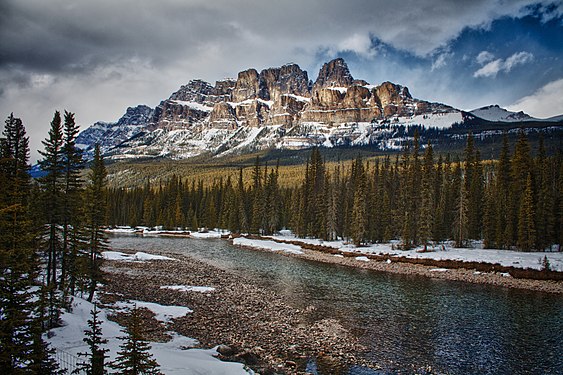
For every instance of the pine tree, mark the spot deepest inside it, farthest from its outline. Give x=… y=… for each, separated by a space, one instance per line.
x=73 y=164
x=545 y=218
x=258 y=203
x=502 y=201
x=526 y=219
x=427 y=204
x=521 y=169
x=22 y=349
x=359 y=208
x=97 y=355
x=53 y=165
x=95 y=219
x=460 y=221
x=134 y=358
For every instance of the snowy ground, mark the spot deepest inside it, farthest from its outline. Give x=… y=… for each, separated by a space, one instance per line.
x=268 y=245
x=174 y=356
x=145 y=231
x=507 y=258
x=139 y=256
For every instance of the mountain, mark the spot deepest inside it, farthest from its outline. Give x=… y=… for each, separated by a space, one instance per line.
x=109 y=135
x=495 y=113
x=279 y=108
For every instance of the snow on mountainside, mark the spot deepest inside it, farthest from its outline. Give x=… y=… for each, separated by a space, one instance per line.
x=276 y=108
x=555 y=118
x=109 y=134
x=496 y=113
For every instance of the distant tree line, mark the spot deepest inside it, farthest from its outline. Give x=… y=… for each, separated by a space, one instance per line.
x=514 y=202
x=50 y=239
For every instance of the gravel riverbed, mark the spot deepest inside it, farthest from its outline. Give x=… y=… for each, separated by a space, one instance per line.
x=254 y=325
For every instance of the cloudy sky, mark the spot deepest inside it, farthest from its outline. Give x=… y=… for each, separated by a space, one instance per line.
x=96 y=58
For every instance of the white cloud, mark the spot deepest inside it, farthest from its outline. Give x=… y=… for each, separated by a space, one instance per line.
x=484 y=57
x=545 y=102
x=358 y=43
x=519 y=58
x=492 y=68
x=441 y=60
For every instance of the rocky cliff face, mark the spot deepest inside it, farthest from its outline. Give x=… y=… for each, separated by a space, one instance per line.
x=277 y=107
x=109 y=135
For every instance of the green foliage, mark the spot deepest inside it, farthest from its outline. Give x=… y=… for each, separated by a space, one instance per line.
x=22 y=349
x=96 y=211
x=415 y=199
x=95 y=358
x=135 y=358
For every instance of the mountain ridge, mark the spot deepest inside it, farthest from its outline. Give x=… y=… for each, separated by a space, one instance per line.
x=276 y=108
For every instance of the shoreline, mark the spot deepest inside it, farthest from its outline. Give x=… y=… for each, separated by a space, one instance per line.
x=405 y=266
x=258 y=327
x=249 y=323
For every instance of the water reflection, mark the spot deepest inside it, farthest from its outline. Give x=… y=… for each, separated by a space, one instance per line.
x=411 y=324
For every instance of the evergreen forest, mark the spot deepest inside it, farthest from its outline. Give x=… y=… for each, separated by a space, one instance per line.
x=417 y=198
x=51 y=238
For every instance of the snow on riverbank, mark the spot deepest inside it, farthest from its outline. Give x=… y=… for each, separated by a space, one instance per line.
x=162 y=313
x=268 y=245
x=507 y=258
x=138 y=256
x=189 y=288
x=172 y=356
x=146 y=231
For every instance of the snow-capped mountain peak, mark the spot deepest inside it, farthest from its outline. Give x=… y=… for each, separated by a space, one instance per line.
x=277 y=108
x=495 y=113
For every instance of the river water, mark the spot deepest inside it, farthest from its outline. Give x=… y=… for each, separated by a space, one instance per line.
x=410 y=323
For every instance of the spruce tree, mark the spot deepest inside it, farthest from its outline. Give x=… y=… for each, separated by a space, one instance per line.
x=22 y=349
x=501 y=194
x=135 y=358
x=53 y=166
x=460 y=220
x=427 y=197
x=96 y=356
x=526 y=219
x=359 y=207
x=72 y=202
x=95 y=219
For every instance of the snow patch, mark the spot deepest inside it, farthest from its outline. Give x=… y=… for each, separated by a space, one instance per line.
x=162 y=313
x=138 y=256
x=174 y=356
x=267 y=245
x=193 y=105
x=508 y=258
x=189 y=288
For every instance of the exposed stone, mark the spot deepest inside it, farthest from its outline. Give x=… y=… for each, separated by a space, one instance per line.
x=222 y=90
x=195 y=91
x=247 y=86
x=356 y=97
x=334 y=74
x=223 y=116
x=284 y=97
x=171 y=115
x=289 y=79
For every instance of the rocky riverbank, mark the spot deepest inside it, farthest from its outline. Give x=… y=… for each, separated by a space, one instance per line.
x=446 y=270
x=254 y=325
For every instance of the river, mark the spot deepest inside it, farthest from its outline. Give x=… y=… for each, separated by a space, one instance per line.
x=409 y=323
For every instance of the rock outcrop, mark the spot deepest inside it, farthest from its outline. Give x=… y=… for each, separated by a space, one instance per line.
x=277 y=107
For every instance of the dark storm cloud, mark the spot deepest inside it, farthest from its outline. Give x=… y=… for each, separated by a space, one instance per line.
x=98 y=57
x=76 y=37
